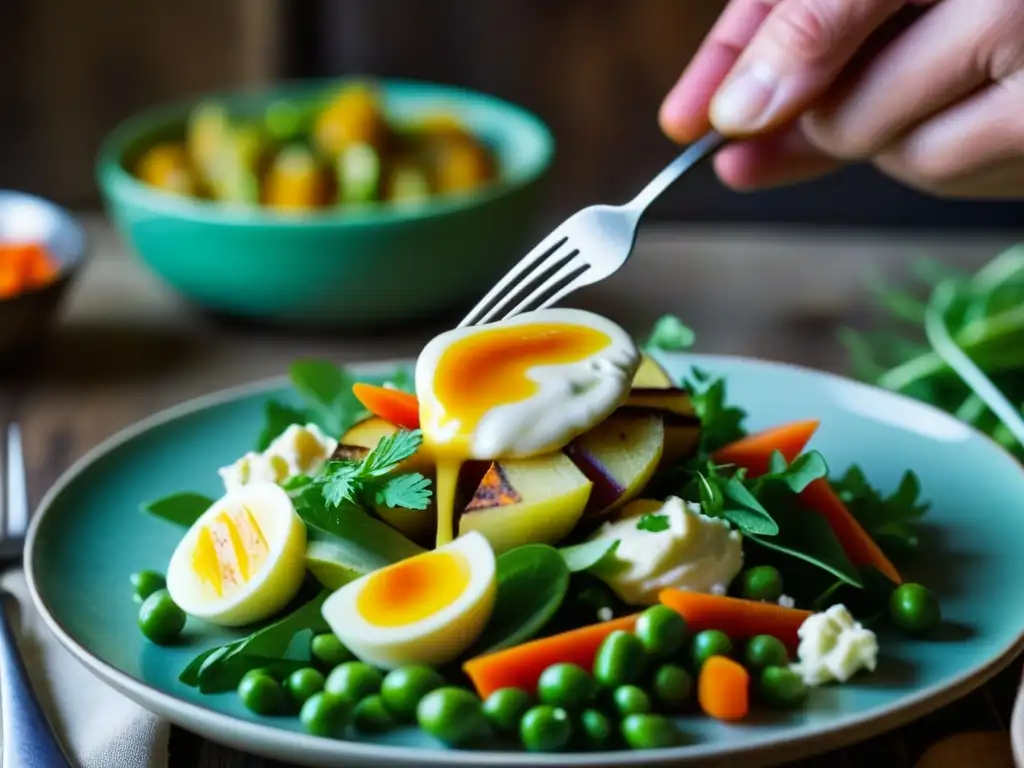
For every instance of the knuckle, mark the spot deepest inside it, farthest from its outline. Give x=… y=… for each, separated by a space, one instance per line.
x=836 y=134
x=807 y=29
x=1000 y=42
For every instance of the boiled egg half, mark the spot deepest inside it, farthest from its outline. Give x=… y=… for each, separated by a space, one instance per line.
x=242 y=560
x=516 y=388
x=427 y=609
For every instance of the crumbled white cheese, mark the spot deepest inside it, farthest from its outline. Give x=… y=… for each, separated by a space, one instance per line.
x=833 y=646
x=693 y=552
x=296 y=451
x=786 y=601
x=604 y=614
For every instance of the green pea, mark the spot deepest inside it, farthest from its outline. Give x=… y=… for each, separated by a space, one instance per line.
x=328 y=651
x=710 y=642
x=566 y=686
x=371 y=716
x=260 y=693
x=620 y=659
x=545 y=729
x=595 y=730
x=672 y=686
x=452 y=715
x=661 y=630
x=303 y=683
x=761 y=583
x=324 y=714
x=765 y=651
x=782 y=687
x=645 y=731
x=146 y=583
x=160 y=618
x=505 y=708
x=914 y=608
x=631 y=700
x=403 y=688
x=354 y=680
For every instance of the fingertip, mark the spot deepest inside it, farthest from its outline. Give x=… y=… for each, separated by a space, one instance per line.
x=677 y=119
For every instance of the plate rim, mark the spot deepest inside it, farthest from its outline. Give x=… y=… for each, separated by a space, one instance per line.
x=798 y=742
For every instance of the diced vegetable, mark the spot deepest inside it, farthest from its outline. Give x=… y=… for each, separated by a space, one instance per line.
x=393 y=405
x=754 y=452
x=739 y=619
x=521 y=666
x=858 y=545
x=723 y=689
x=296 y=181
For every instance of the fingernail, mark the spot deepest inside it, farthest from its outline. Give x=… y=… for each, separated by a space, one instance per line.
x=744 y=103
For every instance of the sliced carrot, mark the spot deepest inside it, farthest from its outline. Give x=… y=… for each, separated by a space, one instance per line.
x=521 y=665
x=754 y=452
x=856 y=542
x=392 y=405
x=739 y=619
x=723 y=689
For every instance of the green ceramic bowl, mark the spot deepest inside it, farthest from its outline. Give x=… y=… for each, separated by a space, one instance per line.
x=378 y=266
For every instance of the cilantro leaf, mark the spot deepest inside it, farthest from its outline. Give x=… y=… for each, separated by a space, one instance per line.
x=652 y=523
x=411 y=491
x=342 y=483
x=670 y=334
x=890 y=520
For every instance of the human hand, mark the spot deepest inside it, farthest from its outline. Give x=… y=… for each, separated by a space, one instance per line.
x=939 y=106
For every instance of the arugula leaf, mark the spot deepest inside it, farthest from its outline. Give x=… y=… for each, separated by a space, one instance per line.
x=889 y=520
x=532 y=583
x=751 y=523
x=652 y=523
x=584 y=556
x=352 y=482
x=721 y=423
x=805 y=469
x=179 y=508
x=353 y=529
x=277 y=417
x=670 y=334
x=327 y=390
x=709 y=494
x=806 y=535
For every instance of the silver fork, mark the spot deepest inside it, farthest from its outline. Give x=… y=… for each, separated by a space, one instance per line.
x=29 y=741
x=587 y=247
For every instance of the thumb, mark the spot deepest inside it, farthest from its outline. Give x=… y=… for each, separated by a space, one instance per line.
x=796 y=54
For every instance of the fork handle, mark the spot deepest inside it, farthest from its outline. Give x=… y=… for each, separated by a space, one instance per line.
x=28 y=739
x=704 y=147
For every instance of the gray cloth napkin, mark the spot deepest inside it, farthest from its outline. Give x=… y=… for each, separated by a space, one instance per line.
x=98 y=727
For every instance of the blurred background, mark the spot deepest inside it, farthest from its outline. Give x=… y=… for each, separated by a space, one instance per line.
x=594 y=70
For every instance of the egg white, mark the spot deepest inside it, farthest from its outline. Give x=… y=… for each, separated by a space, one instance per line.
x=271 y=587
x=572 y=397
x=436 y=639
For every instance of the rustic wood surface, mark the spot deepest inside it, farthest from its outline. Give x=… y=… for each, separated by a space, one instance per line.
x=126 y=347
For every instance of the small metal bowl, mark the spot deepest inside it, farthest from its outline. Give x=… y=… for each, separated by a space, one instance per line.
x=26 y=317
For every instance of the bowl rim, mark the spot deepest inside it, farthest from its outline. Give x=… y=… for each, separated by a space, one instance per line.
x=116 y=182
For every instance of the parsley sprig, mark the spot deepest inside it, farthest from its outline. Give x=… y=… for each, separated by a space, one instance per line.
x=370 y=480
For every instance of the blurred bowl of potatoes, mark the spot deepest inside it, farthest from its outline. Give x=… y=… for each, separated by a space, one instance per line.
x=356 y=203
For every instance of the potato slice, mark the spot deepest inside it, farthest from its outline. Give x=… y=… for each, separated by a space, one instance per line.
x=527 y=501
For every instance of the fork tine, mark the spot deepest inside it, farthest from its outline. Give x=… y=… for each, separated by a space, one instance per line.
x=16 y=502
x=551 y=289
x=527 y=288
x=527 y=265
x=575 y=282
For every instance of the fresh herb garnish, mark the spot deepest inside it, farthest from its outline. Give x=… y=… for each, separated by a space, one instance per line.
x=179 y=508
x=369 y=480
x=890 y=520
x=652 y=523
x=721 y=423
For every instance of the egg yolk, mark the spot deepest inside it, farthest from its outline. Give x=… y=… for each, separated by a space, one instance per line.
x=413 y=589
x=229 y=551
x=481 y=371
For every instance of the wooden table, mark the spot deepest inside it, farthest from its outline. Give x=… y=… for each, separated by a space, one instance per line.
x=126 y=347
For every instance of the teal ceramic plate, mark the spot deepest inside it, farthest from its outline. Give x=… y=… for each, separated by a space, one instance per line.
x=89 y=536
